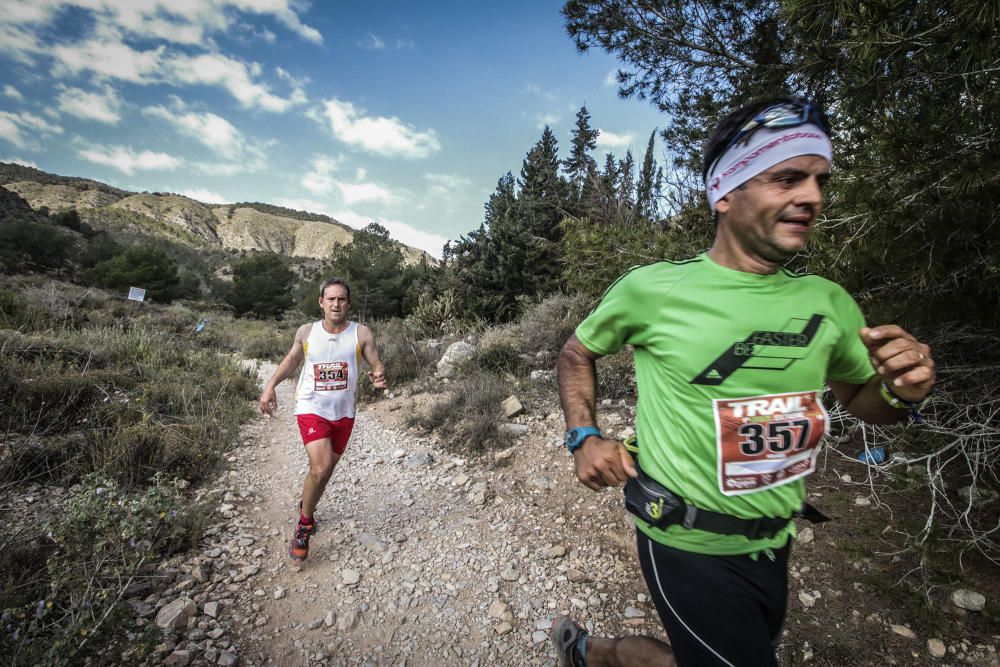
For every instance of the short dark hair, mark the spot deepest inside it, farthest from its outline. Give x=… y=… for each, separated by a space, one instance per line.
x=733 y=121
x=335 y=281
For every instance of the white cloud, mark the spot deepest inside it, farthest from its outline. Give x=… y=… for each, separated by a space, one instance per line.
x=389 y=137
x=13 y=125
x=182 y=22
x=12 y=92
x=108 y=56
x=10 y=132
x=405 y=44
x=215 y=69
x=611 y=80
x=536 y=90
x=102 y=106
x=128 y=161
x=230 y=168
x=356 y=193
x=107 y=49
x=444 y=184
x=372 y=42
x=320 y=180
x=212 y=130
x=20 y=161
x=549 y=119
x=204 y=196
x=608 y=139
x=433 y=244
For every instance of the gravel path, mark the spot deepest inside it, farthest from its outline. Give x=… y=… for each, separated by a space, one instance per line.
x=421 y=558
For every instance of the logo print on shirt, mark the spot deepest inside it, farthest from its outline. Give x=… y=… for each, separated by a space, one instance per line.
x=763 y=350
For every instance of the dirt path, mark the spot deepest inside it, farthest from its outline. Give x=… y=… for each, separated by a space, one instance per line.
x=421 y=558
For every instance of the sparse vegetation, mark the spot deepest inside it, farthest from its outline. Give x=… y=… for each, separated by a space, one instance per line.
x=115 y=404
x=468 y=418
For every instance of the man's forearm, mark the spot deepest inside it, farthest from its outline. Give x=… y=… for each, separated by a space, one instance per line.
x=577 y=387
x=869 y=406
x=282 y=373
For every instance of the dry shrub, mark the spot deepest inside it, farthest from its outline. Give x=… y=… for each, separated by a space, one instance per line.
x=468 y=417
x=406 y=358
x=544 y=327
x=616 y=376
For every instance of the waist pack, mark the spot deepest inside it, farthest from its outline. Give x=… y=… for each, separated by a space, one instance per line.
x=660 y=507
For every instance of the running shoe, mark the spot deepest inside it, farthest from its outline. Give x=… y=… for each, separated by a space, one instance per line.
x=566 y=637
x=299 y=547
x=315 y=521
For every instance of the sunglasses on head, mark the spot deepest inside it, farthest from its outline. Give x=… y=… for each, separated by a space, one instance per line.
x=786 y=114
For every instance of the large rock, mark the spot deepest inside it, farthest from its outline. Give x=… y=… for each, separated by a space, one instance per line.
x=511 y=407
x=970 y=600
x=174 y=616
x=455 y=354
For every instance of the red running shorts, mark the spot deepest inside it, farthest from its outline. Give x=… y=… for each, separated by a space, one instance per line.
x=314 y=427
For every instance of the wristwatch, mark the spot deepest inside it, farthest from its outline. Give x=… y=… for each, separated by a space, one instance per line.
x=576 y=436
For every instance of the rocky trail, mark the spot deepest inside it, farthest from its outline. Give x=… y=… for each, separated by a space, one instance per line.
x=421 y=557
x=425 y=558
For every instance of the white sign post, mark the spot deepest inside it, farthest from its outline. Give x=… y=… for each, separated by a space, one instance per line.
x=136 y=294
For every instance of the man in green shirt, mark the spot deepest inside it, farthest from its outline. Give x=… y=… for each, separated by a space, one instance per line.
x=732 y=354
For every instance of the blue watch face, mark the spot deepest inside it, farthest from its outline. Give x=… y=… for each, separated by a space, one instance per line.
x=576 y=436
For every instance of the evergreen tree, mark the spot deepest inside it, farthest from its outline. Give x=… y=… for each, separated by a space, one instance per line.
x=646 y=190
x=581 y=169
x=625 y=192
x=531 y=251
x=262 y=286
x=144 y=266
x=481 y=288
x=372 y=264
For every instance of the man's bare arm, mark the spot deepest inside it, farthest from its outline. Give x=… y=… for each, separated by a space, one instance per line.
x=268 y=398
x=599 y=462
x=366 y=339
x=902 y=362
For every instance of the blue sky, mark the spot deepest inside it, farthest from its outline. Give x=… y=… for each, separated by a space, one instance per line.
x=404 y=113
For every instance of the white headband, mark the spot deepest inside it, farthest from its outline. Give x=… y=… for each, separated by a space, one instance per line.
x=765 y=148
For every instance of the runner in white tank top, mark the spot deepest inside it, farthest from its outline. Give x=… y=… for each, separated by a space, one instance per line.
x=329 y=378
x=332 y=349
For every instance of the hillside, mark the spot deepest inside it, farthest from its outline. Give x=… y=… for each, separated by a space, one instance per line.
x=238 y=226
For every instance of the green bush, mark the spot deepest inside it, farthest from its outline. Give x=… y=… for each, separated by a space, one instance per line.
x=33 y=246
x=17 y=313
x=143 y=266
x=261 y=286
x=99 y=543
x=434 y=315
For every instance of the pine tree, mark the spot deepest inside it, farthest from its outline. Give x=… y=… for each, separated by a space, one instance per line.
x=645 y=204
x=372 y=264
x=581 y=169
x=540 y=208
x=261 y=287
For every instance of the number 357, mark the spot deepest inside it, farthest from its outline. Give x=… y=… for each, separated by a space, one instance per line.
x=781 y=436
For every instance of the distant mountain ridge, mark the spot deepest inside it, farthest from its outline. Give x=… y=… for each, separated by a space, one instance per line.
x=247 y=226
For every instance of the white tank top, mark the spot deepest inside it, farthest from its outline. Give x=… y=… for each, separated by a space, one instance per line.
x=329 y=376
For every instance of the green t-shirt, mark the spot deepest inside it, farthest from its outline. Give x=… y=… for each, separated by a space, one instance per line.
x=730 y=367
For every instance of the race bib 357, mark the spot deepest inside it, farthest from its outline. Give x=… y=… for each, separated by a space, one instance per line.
x=767 y=441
